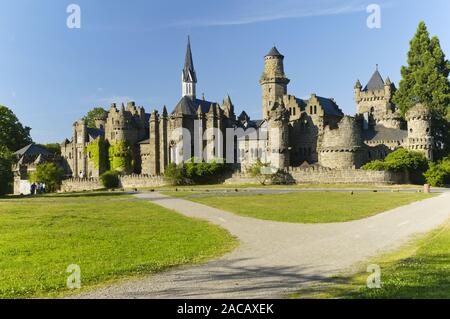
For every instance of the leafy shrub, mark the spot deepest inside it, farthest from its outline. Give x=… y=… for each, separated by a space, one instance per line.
x=175 y=174
x=403 y=159
x=195 y=172
x=262 y=172
x=439 y=173
x=400 y=160
x=50 y=174
x=110 y=179
x=375 y=166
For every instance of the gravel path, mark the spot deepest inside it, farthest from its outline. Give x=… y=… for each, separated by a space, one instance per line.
x=276 y=258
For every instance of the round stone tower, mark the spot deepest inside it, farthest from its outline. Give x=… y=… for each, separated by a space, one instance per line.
x=342 y=147
x=278 y=133
x=419 y=130
x=273 y=81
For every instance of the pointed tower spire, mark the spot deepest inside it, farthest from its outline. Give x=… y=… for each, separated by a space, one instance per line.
x=189 y=77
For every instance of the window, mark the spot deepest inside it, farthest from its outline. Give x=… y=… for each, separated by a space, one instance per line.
x=315 y=109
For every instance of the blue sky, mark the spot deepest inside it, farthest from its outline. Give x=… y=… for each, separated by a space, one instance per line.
x=134 y=50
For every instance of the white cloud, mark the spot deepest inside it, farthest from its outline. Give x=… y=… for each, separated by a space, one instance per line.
x=269 y=10
x=115 y=99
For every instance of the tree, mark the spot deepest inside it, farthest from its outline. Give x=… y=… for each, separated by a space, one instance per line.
x=50 y=174
x=53 y=148
x=262 y=172
x=425 y=80
x=13 y=134
x=96 y=112
x=6 y=160
x=439 y=173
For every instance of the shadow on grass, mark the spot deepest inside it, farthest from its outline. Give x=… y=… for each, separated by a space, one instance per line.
x=408 y=278
x=65 y=195
x=220 y=279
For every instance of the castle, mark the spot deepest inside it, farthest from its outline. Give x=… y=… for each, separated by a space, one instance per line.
x=291 y=133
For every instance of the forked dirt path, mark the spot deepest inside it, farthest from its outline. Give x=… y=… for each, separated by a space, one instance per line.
x=275 y=258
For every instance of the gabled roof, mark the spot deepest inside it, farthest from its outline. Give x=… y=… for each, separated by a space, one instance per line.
x=185 y=107
x=189 y=106
x=274 y=52
x=31 y=150
x=375 y=83
x=329 y=106
x=93 y=133
x=243 y=116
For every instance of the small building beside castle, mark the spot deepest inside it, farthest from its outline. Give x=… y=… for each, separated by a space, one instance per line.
x=292 y=131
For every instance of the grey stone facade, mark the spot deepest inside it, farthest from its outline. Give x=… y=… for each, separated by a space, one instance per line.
x=292 y=131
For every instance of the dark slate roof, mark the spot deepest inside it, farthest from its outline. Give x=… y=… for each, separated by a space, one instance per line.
x=147 y=141
x=258 y=123
x=32 y=150
x=185 y=107
x=188 y=70
x=274 y=52
x=189 y=106
x=381 y=133
x=375 y=83
x=329 y=106
x=93 y=133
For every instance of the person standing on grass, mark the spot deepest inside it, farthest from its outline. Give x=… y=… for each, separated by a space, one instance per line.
x=32 y=188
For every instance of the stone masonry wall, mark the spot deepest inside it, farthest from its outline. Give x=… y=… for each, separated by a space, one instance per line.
x=80 y=185
x=321 y=175
x=129 y=181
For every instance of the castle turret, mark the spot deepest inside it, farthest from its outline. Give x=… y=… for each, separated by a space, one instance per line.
x=80 y=140
x=273 y=81
x=163 y=140
x=278 y=130
x=358 y=88
x=228 y=108
x=419 y=130
x=154 y=151
x=342 y=146
x=374 y=102
x=388 y=88
x=189 y=77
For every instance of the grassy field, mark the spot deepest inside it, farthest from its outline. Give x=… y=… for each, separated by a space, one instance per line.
x=311 y=207
x=293 y=186
x=108 y=236
x=420 y=269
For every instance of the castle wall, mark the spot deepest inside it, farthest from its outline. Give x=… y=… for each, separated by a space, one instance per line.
x=127 y=182
x=321 y=175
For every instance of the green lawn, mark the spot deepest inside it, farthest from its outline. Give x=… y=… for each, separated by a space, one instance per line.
x=108 y=238
x=293 y=186
x=420 y=269
x=310 y=207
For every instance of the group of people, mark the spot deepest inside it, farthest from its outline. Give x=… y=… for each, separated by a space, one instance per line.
x=37 y=188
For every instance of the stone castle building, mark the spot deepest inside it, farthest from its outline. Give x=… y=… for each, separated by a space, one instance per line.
x=291 y=133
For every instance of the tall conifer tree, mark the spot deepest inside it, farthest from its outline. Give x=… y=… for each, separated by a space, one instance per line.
x=425 y=80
